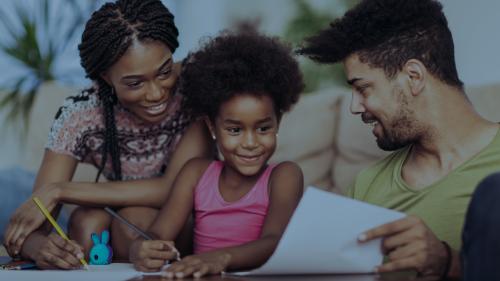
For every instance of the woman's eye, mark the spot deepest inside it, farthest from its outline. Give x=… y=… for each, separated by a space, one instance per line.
x=164 y=74
x=134 y=84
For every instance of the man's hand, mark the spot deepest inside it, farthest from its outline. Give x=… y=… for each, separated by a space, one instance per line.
x=409 y=244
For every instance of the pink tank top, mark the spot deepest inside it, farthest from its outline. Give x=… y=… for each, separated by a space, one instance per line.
x=220 y=224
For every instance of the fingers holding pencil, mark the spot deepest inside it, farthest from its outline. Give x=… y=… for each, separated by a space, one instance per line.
x=58 y=229
x=59 y=253
x=151 y=255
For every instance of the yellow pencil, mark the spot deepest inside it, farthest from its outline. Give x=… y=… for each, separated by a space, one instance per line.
x=52 y=221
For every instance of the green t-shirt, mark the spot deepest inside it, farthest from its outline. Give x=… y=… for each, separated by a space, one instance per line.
x=441 y=205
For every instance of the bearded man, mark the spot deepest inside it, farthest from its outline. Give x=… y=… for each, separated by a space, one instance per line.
x=398 y=56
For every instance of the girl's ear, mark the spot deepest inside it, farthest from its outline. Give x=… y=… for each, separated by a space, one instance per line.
x=95 y=239
x=105 y=237
x=210 y=126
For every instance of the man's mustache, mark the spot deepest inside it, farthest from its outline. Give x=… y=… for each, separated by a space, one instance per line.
x=368 y=117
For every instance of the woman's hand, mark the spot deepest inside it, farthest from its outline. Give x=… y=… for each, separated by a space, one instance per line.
x=27 y=218
x=56 y=252
x=151 y=255
x=199 y=265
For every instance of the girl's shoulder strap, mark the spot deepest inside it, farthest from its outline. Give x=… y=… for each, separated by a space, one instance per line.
x=211 y=175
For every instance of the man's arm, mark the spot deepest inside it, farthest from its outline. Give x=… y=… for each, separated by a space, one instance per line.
x=410 y=244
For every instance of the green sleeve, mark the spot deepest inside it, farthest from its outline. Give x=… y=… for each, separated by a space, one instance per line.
x=350 y=191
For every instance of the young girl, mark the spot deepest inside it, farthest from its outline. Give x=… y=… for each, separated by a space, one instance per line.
x=131 y=125
x=242 y=84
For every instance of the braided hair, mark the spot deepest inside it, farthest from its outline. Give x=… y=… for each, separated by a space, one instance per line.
x=107 y=36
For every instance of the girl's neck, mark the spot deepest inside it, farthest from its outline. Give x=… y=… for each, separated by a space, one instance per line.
x=233 y=185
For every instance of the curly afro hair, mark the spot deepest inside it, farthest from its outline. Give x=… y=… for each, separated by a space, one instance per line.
x=236 y=63
x=386 y=34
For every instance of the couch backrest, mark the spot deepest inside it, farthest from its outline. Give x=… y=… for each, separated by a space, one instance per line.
x=48 y=100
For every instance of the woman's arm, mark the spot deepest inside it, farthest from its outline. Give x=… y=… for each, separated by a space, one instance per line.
x=286 y=187
x=27 y=218
x=151 y=255
x=149 y=192
x=53 y=186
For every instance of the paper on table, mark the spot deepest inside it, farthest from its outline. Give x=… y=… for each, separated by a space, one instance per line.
x=110 y=272
x=321 y=237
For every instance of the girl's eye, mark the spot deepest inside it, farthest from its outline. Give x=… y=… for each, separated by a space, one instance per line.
x=233 y=131
x=264 y=129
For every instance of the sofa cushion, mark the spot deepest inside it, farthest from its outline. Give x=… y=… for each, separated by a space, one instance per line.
x=306 y=135
x=48 y=100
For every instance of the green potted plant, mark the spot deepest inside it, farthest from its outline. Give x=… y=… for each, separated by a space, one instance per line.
x=307 y=22
x=37 y=36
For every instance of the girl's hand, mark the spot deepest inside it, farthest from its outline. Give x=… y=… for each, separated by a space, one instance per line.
x=151 y=255
x=58 y=253
x=27 y=218
x=199 y=265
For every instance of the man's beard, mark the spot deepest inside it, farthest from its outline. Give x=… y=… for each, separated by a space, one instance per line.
x=398 y=136
x=402 y=129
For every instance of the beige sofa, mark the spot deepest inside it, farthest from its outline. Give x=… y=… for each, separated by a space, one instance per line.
x=320 y=134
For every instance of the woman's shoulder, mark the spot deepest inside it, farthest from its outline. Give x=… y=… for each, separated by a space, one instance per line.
x=84 y=102
x=76 y=118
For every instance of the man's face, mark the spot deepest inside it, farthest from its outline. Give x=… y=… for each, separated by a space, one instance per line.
x=383 y=103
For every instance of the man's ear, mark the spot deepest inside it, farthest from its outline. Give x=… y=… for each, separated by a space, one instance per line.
x=416 y=73
x=210 y=126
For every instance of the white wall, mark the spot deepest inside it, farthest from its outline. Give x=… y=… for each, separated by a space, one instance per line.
x=475 y=26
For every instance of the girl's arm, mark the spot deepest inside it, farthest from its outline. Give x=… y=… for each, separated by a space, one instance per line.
x=286 y=187
x=53 y=186
x=151 y=255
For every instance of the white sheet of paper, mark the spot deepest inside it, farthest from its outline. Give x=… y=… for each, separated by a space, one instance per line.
x=321 y=237
x=110 y=272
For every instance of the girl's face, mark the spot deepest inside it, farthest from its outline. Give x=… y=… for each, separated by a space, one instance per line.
x=143 y=79
x=245 y=131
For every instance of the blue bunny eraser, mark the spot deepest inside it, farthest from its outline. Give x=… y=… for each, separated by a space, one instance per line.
x=101 y=253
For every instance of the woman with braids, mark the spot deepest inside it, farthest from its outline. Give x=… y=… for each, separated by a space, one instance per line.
x=131 y=125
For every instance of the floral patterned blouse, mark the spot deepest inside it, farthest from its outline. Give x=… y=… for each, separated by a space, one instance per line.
x=145 y=149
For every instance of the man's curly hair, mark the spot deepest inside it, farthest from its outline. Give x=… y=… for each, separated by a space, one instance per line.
x=236 y=63
x=386 y=34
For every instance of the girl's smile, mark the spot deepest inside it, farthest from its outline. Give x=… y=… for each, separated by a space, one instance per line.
x=245 y=131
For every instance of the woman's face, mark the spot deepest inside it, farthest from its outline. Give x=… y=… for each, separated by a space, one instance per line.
x=143 y=79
